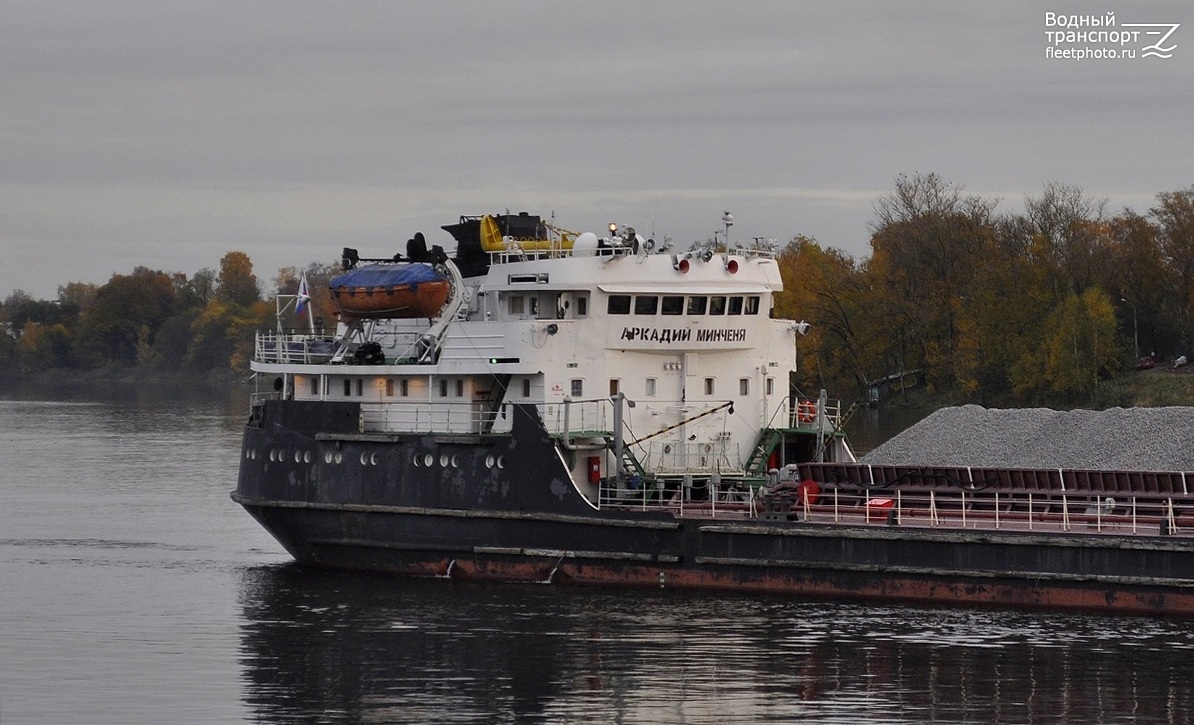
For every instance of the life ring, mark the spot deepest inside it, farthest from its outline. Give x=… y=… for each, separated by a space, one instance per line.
x=806 y=412
x=808 y=492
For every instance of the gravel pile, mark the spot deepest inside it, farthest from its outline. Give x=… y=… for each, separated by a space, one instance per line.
x=1128 y=439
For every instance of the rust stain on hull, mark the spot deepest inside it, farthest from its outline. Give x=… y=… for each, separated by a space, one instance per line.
x=812 y=583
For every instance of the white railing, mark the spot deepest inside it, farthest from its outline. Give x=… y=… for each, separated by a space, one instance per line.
x=1041 y=512
x=302 y=348
x=577 y=416
x=586 y=417
x=804 y=414
x=684 y=496
x=425 y=417
x=668 y=457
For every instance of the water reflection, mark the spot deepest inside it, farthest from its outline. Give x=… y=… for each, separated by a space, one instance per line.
x=341 y=647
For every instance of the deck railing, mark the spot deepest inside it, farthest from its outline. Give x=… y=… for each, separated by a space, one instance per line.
x=302 y=348
x=1085 y=513
x=1091 y=502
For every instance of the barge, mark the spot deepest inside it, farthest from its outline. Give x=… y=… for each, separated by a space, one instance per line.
x=611 y=410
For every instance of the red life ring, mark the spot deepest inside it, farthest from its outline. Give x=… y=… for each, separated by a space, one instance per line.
x=808 y=492
x=806 y=412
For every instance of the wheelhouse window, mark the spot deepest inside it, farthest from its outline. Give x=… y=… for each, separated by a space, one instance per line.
x=347 y=387
x=460 y=388
x=614 y=386
x=582 y=305
x=717 y=305
x=697 y=304
x=578 y=388
x=744 y=386
x=735 y=306
x=517 y=304
x=443 y=388
x=673 y=305
x=389 y=387
x=618 y=305
x=709 y=386
x=526 y=387
x=752 y=305
x=646 y=304
x=404 y=387
x=315 y=385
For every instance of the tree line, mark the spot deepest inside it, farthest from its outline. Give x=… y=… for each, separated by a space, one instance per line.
x=148 y=319
x=1038 y=306
x=1041 y=306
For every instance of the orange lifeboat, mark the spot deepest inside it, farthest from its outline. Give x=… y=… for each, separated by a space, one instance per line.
x=387 y=291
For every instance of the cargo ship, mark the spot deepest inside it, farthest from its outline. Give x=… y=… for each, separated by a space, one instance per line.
x=549 y=407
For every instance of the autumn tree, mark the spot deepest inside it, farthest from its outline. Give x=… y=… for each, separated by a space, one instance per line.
x=826 y=288
x=928 y=242
x=1174 y=215
x=236 y=284
x=77 y=295
x=20 y=307
x=110 y=329
x=222 y=336
x=1081 y=345
x=44 y=347
x=1068 y=240
x=1142 y=276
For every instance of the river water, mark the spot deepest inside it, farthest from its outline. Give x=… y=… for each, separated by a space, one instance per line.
x=132 y=590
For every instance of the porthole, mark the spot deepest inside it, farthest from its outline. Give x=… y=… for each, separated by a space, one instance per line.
x=306 y=456
x=272 y=454
x=298 y=456
x=455 y=461
x=443 y=460
x=327 y=457
x=373 y=458
x=489 y=461
x=339 y=456
x=364 y=458
x=428 y=460
x=501 y=462
x=417 y=461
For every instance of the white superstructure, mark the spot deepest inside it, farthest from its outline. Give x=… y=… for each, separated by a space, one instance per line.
x=680 y=347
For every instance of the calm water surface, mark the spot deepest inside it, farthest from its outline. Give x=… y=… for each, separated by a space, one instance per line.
x=132 y=590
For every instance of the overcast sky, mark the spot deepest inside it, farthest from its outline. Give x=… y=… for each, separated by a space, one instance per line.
x=167 y=133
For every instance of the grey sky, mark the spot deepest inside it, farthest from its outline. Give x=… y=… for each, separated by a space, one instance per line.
x=167 y=133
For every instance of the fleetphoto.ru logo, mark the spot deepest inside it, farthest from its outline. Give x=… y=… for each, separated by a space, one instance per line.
x=1098 y=37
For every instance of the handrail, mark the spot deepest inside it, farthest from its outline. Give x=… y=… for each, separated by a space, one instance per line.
x=1138 y=515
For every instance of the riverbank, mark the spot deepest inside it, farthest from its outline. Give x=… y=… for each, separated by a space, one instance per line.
x=156 y=388
x=1156 y=388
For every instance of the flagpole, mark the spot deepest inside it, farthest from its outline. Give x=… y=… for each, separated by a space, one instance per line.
x=301 y=303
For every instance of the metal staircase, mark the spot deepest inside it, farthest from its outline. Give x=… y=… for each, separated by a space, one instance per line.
x=769 y=439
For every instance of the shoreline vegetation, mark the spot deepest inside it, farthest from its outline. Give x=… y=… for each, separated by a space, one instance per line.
x=1056 y=306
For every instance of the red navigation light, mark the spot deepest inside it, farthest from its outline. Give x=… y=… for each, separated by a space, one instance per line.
x=732 y=266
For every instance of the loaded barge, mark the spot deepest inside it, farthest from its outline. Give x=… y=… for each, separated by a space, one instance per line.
x=551 y=407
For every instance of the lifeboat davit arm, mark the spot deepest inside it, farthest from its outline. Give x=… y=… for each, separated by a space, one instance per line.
x=429 y=344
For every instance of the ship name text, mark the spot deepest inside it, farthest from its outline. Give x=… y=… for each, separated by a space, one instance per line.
x=668 y=335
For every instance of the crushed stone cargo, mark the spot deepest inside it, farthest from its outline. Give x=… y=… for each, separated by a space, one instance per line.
x=1127 y=439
